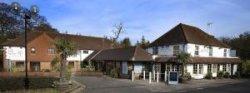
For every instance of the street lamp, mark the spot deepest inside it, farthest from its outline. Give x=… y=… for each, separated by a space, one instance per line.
x=26 y=16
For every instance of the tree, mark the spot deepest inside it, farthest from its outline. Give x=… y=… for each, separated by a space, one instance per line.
x=65 y=48
x=183 y=58
x=240 y=44
x=119 y=29
x=126 y=42
x=143 y=43
x=12 y=24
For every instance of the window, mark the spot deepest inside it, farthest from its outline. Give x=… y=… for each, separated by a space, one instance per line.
x=225 y=52
x=176 y=50
x=218 y=67
x=209 y=68
x=195 y=68
x=33 y=50
x=51 y=51
x=85 y=51
x=214 y=68
x=155 y=50
x=210 y=51
x=229 y=67
x=200 y=68
x=19 y=64
x=224 y=67
x=196 y=52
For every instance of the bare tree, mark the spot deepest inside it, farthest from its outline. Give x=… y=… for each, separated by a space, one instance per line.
x=119 y=29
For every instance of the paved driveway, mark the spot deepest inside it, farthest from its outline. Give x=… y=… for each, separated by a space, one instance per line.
x=111 y=85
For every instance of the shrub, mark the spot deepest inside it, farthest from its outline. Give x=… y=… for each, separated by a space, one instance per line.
x=237 y=75
x=220 y=74
x=114 y=73
x=246 y=68
x=226 y=75
x=84 y=64
x=185 y=77
x=209 y=75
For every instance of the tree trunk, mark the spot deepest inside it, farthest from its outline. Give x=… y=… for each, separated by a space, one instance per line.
x=63 y=69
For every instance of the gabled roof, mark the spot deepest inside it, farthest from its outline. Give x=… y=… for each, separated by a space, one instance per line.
x=124 y=54
x=82 y=42
x=183 y=33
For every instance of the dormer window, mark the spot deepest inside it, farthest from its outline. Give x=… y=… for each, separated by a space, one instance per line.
x=196 y=52
x=33 y=50
x=210 y=51
x=225 y=52
x=176 y=50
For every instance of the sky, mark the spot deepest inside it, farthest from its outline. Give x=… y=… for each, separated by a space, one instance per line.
x=149 y=18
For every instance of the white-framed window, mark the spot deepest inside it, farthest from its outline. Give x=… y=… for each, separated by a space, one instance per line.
x=224 y=67
x=225 y=52
x=51 y=51
x=195 y=67
x=200 y=68
x=210 y=51
x=196 y=52
x=32 y=50
x=209 y=68
x=214 y=68
x=229 y=67
x=176 y=50
x=85 y=51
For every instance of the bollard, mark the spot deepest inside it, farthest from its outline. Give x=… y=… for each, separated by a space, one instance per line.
x=154 y=75
x=150 y=77
x=132 y=76
x=165 y=76
x=157 y=77
x=144 y=76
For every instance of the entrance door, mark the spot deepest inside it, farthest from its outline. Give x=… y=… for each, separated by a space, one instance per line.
x=35 y=66
x=124 y=68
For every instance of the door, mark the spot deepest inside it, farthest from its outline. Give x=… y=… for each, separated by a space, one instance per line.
x=35 y=66
x=124 y=68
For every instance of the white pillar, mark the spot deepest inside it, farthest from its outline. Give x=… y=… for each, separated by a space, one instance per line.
x=154 y=75
x=150 y=77
x=132 y=76
x=157 y=77
x=165 y=76
x=144 y=76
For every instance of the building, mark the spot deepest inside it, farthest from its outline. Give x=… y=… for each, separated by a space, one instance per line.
x=207 y=53
x=41 y=50
x=125 y=60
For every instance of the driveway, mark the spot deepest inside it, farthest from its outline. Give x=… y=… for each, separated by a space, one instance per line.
x=110 y=85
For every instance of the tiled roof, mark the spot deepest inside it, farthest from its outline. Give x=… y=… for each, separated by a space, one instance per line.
x=124 y=54
x=202 y=60
x=183 y=33
x=82 y=42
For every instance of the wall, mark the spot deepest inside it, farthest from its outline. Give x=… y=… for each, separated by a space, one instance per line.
x=190 y=48
x=14 y=53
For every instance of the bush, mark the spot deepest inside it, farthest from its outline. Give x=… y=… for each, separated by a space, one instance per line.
x=246 y=68
x=237 y=75
x=226 y=75
x=185 y=77
x=114 y=73
x=209 y=75
x=220 y=74
x=84 y=64
x=14 y=83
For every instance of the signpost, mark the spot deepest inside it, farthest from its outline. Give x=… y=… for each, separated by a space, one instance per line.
x=173 y=77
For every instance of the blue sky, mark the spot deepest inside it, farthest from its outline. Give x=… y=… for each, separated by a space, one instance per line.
x=151 y=18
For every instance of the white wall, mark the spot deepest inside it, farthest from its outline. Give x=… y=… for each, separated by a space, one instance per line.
x=80 y=56
x=14 y=53
x=190 y=48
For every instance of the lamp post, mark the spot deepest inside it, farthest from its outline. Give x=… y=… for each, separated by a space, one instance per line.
x=26 y=16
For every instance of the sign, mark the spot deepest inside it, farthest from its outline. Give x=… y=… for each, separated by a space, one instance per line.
x=173 y=77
